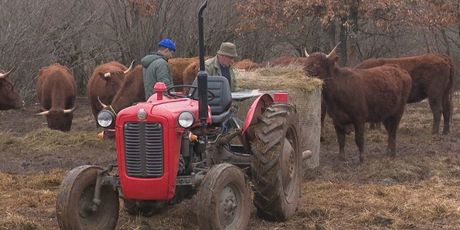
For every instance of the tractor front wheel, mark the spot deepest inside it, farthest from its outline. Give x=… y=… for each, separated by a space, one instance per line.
x=224 y=199
x=276 y=166
x=75 y=208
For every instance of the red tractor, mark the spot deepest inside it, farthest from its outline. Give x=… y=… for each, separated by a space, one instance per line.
x=174 y=147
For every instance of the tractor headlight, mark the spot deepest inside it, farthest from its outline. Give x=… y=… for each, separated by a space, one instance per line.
x=105 y=118
x=186 y=119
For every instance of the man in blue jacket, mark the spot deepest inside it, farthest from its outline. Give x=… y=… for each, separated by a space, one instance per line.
x=156 y=67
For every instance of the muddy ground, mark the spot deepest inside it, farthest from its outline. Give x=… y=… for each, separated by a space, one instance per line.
x=419 y=189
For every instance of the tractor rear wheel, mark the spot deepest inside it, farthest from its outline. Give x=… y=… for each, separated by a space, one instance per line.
x=224 y=199
x=276 y=166
x=74 y=206
x=144 y=208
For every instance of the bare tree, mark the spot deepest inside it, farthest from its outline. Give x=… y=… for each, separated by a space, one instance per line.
x=83 y=34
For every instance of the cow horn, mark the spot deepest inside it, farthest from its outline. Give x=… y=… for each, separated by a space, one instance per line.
x=70 y=110
x=333 y=52
x=100 y=102
x=130 y=67
x=3 y=75
x=305 y=51
x=44 y=113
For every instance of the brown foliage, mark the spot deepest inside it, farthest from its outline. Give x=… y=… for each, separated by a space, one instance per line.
x=146 y=7
x=278 y=15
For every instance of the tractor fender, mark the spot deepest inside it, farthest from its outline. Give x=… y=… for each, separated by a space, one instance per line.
x=257 y=108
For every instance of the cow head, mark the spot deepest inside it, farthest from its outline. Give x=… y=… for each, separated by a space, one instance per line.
x=131 y=91
x=9 y=96
x=319 y=64
x=114 y=79
x=59 y=119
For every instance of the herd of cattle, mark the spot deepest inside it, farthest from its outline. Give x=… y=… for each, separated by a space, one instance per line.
x=376 y=90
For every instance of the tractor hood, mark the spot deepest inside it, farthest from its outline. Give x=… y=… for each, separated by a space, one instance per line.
x=156 y=109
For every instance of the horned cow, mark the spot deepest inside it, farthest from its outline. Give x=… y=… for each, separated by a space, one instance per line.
x=56 y=91
x=104 y=83
x=356 y=96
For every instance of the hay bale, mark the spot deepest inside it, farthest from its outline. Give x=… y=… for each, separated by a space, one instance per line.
x=304 y=92
x=272 y=78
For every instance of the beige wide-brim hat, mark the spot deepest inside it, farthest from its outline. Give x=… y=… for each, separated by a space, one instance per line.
x=227 y=49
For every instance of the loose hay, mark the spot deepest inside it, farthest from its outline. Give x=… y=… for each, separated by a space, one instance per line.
x=21 y=196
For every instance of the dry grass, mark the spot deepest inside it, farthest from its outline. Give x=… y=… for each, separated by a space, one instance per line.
x=28 y=201
x=45 y=139
x=410 y=192
x=418 y=189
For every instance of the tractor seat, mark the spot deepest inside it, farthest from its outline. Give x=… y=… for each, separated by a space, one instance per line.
x=220 y=105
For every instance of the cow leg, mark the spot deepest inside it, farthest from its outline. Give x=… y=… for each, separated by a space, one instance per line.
x=435 y=106
x=446 y=111
x=359 y=139
x=391 y=125
x=340 y=132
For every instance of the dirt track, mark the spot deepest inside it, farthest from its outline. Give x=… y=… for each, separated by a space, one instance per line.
x=418 y=189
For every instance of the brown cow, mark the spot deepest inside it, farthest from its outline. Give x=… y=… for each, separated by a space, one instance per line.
x=104 y=83
x=56 y=91
x=356 y=96
x=432 y=78
x=191 y=72
x=9 y=96
x=178 y=65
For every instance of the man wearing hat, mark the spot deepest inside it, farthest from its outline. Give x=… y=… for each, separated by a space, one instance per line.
x=222 y=63
x=156 y=67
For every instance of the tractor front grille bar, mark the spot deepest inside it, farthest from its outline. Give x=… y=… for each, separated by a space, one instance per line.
x=144 y=149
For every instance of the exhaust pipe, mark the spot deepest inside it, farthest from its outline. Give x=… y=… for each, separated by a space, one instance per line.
x=202 y=75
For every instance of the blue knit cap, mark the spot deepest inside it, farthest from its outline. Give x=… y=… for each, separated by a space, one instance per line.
x=168 y=43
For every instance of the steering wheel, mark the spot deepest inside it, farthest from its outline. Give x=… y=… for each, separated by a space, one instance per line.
x=191 y=92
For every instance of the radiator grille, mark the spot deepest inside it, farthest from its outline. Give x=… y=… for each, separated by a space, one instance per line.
x=144 y=149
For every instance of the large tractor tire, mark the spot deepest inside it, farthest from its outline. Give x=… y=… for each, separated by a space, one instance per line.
x=276 y=168
x=144 y=208
x=224 y=199
x=74 y=202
